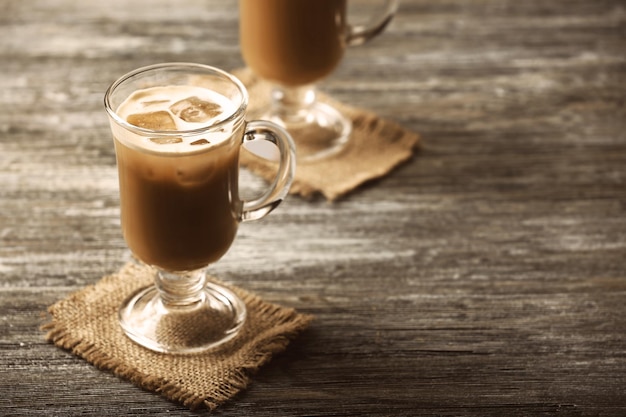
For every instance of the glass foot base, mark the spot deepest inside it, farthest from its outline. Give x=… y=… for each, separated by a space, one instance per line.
x=321 y=133
x=204 y=325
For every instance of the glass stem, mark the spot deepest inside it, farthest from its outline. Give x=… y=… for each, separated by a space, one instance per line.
x=292 y=104
x=180 y=290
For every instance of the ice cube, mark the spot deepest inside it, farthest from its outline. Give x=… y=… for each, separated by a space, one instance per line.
x=195 y=110
x=166 y=140
x=200 y=142
x=158 y=120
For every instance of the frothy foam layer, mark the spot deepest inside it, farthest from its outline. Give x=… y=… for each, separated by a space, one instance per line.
x=174 y=108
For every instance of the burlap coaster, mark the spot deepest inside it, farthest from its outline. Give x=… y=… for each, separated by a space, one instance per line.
x=87 y=324
x=375 y=148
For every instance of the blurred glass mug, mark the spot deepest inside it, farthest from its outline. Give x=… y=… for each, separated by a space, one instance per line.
x=177 y=130
x=293 y=44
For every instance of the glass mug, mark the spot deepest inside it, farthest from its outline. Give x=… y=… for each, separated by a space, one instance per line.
x=178 y=129
x=292 y=44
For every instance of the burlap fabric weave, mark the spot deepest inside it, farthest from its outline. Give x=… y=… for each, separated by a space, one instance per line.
x=87 y=324
x=376 y=147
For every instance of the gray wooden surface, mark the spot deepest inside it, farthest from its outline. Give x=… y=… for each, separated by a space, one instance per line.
x=486 y=277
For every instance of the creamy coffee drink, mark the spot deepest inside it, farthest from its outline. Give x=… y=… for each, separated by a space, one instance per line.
x=179 y=203
x=292 y=42
x=177 y=130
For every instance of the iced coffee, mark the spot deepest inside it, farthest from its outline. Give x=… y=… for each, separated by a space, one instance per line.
x=177 y=129
x=178 y=194
x=292 y=42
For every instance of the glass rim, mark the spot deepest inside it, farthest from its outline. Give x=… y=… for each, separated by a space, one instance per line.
x=172 y=65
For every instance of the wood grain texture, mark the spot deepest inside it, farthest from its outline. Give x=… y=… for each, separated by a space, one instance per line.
x=486 y=277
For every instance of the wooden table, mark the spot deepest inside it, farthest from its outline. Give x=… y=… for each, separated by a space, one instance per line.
x=485 y=277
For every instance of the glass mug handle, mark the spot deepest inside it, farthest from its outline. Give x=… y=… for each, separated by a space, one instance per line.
x=262 y=130
x=359 y=34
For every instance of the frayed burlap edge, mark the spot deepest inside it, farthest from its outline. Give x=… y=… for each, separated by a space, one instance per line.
x=257 y=352
x=378 y=147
